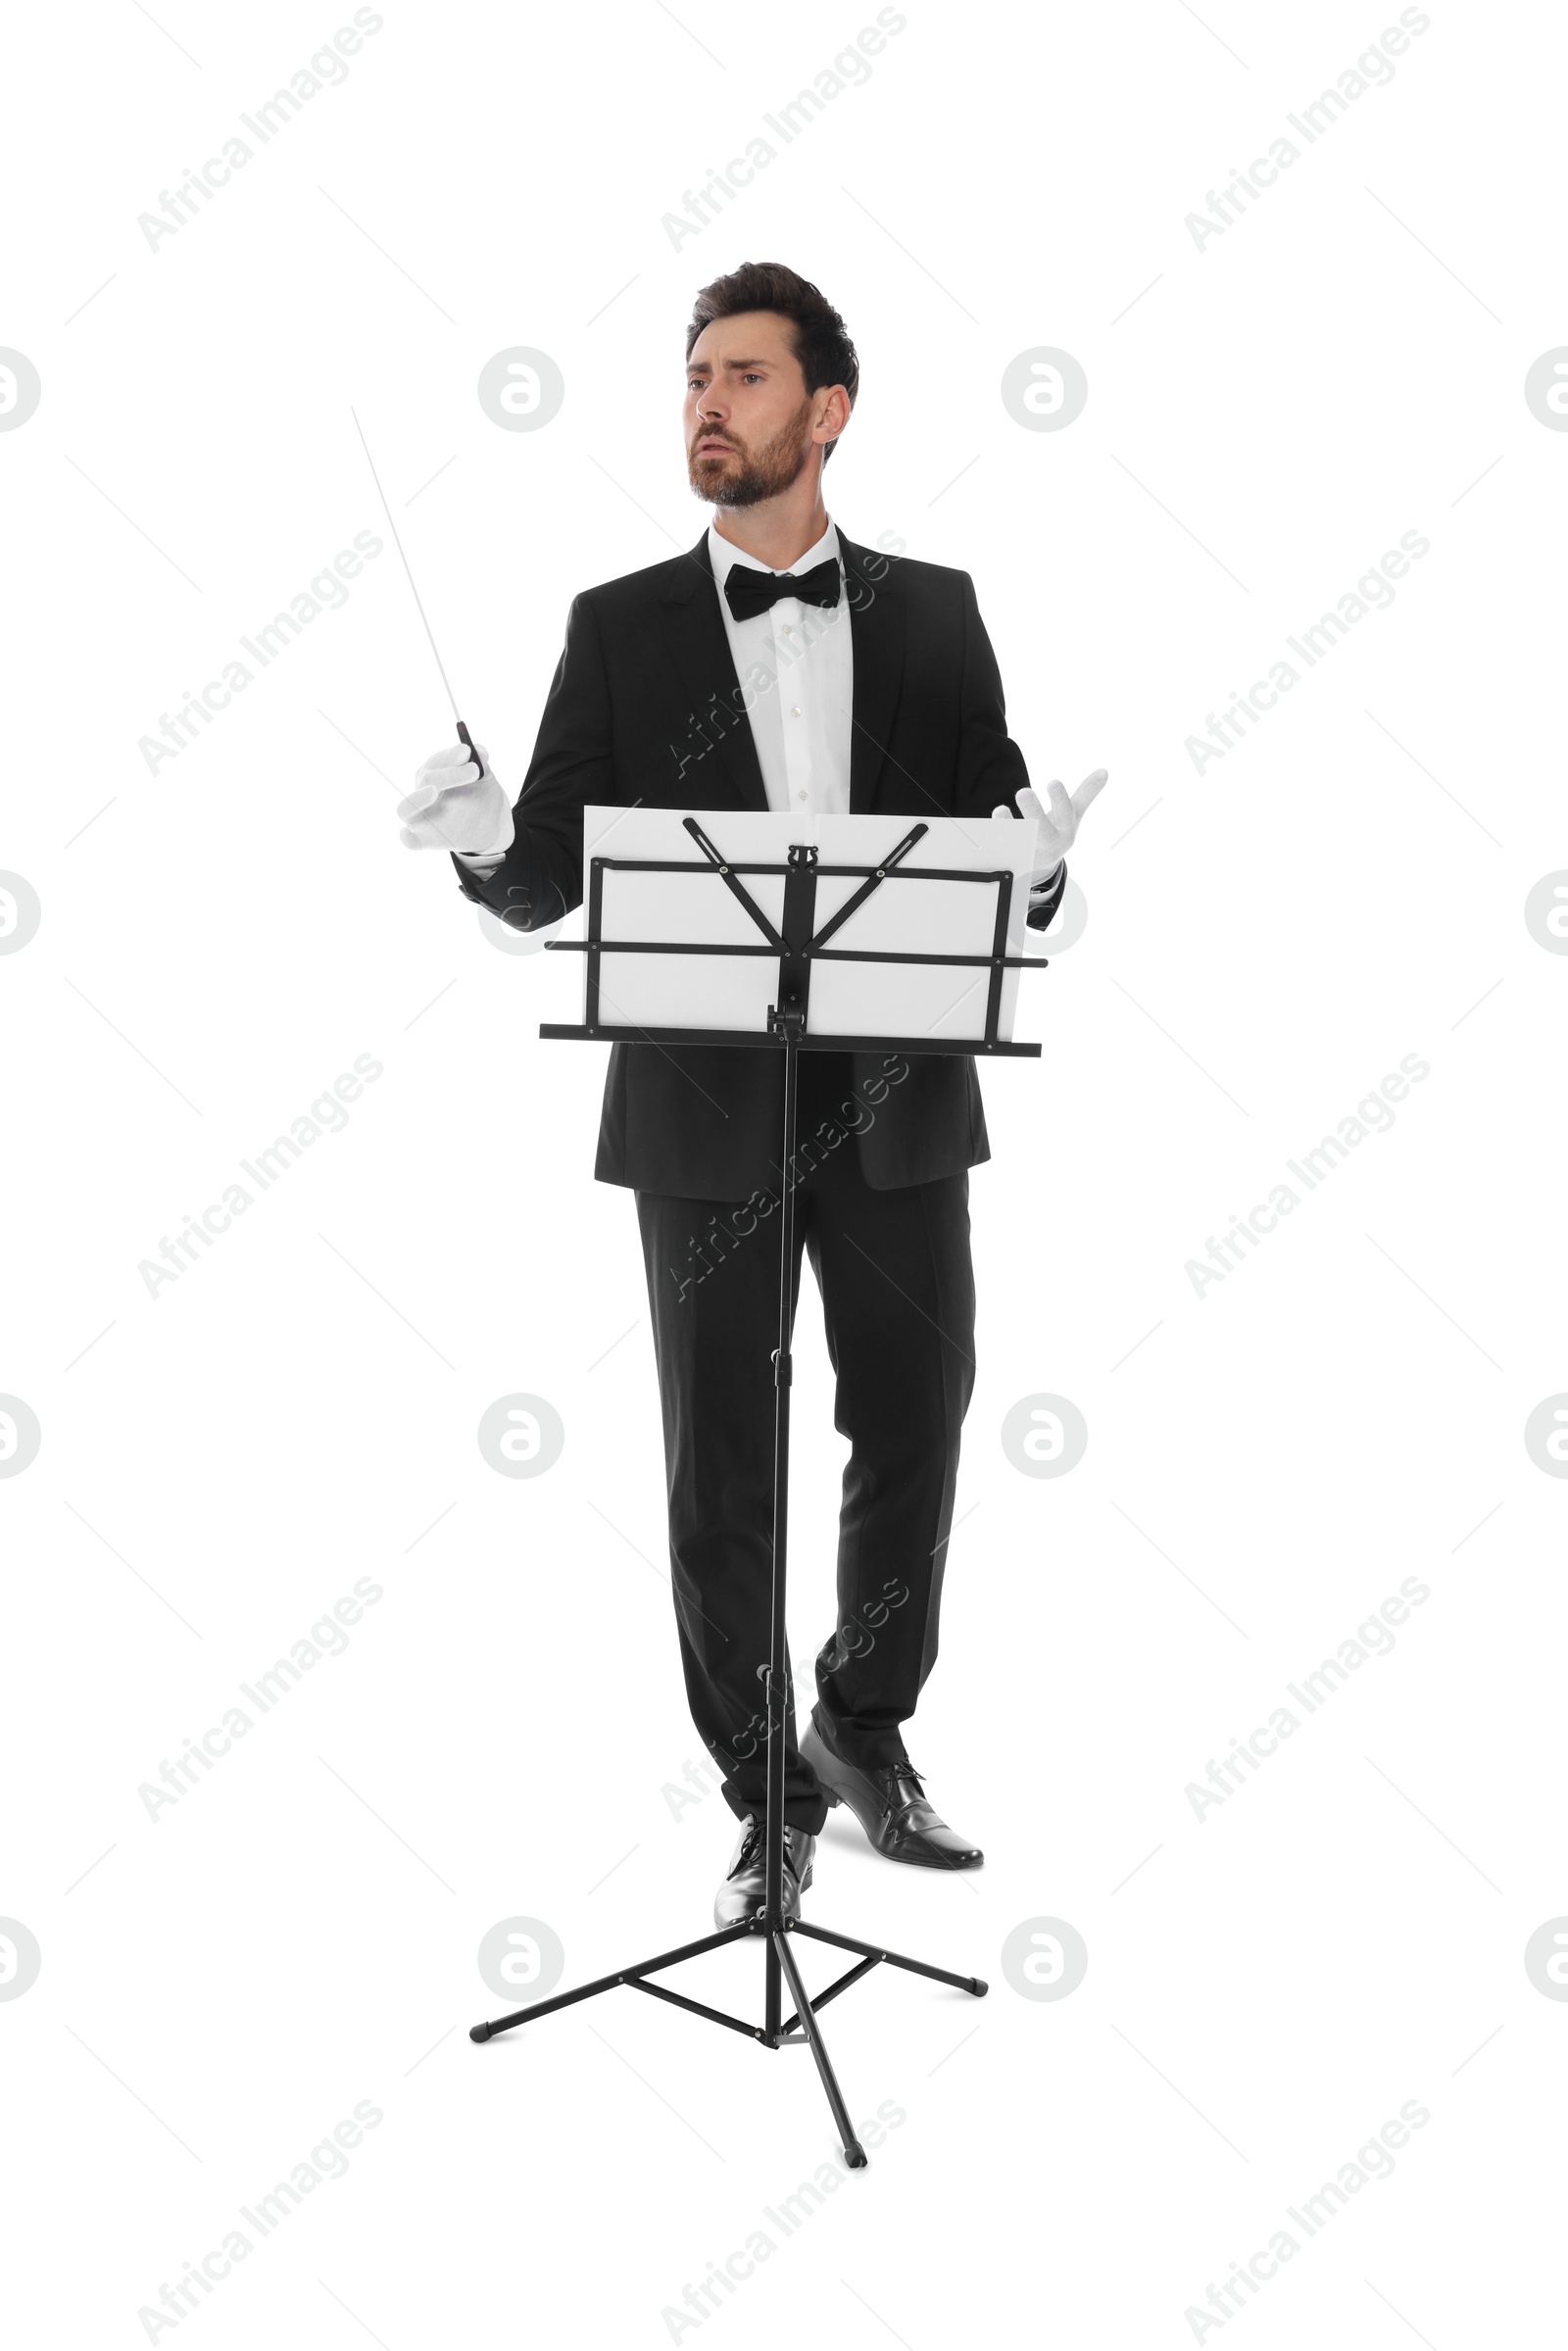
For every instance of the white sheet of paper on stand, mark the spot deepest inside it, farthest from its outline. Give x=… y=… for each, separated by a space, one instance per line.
x=846 y=1000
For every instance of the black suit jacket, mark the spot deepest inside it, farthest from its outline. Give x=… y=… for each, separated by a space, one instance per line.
x=645 y=708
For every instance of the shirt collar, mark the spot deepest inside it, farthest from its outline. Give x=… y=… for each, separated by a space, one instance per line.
x=722 y=553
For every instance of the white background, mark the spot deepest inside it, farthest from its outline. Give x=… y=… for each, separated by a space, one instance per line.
x=1266 y=1461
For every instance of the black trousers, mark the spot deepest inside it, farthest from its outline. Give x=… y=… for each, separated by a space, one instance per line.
x=897 y=1303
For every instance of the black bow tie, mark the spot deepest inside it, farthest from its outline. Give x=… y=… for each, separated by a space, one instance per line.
x=752 y=592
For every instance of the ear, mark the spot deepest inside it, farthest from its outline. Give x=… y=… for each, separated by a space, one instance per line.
x=833 y=413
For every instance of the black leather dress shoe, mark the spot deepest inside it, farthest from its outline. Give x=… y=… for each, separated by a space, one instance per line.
x=744 y=1893
x=891 y=1806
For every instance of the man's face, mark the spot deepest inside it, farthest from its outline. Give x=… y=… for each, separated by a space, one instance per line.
x=748 y=417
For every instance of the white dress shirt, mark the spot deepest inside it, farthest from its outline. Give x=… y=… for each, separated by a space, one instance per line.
x=797 y=674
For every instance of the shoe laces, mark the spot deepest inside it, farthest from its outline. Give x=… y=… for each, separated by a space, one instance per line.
x=749 y=1844
x=752 y=1845
x=906 y=1771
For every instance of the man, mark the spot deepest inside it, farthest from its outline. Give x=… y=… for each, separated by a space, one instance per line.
x=779 y=665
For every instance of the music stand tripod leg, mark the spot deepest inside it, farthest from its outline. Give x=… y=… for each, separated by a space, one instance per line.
x=853 y=2153
x=488 y=2029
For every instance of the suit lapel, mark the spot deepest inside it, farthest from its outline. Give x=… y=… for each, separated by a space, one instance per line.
x=694 y=634
x=876 y=633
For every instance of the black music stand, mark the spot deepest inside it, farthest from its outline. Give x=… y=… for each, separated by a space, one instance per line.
x=796 y=946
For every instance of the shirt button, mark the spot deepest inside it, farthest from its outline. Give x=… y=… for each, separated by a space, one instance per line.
x=795 y=710
x=789 y=628
x=802 y=796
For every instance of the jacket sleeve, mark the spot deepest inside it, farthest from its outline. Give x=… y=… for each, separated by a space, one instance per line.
x=991 y=767
x=540 y=877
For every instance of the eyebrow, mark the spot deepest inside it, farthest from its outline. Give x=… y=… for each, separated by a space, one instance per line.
x=705 y=366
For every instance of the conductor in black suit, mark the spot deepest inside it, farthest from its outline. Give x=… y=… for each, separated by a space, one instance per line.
x=780 y=665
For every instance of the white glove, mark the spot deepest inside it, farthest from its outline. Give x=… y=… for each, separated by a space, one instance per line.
x=457 y=806
x=1058 y=824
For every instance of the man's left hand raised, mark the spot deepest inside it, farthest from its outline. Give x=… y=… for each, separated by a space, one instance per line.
x=1058 y=823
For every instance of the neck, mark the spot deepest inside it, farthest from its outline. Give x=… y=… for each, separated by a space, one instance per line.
x=777 y=531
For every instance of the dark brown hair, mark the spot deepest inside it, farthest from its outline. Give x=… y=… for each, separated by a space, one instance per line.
x=820 y=338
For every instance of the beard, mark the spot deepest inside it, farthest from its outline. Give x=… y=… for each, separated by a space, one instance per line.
x=760 y=473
